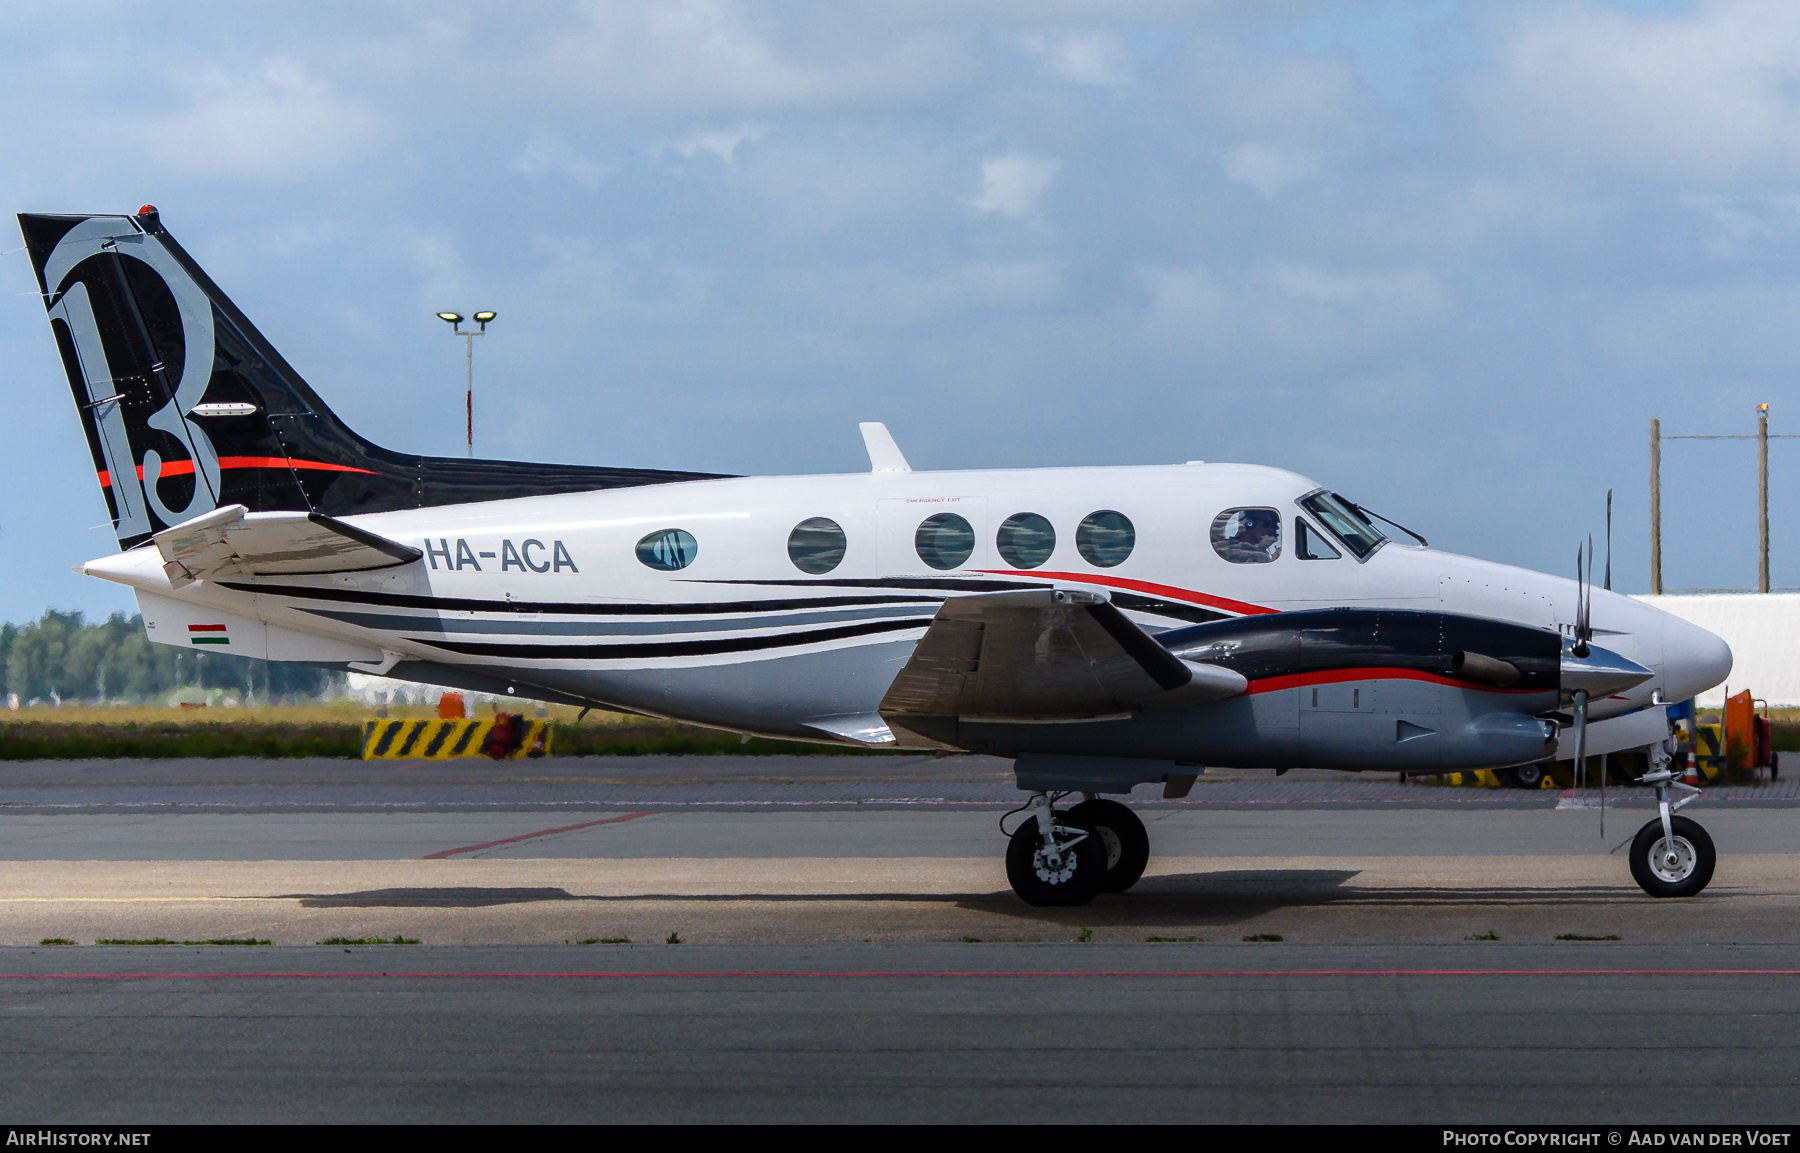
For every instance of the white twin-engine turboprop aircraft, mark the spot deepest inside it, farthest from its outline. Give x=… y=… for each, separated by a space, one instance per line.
x=1103 y=627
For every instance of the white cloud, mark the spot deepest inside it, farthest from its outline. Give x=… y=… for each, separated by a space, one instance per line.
x=546 y=152
x=889 y=295
x=1084 y=57
x=1011 y=184
x=721 y=142
x=1291 y=316
x=1409 y=291
x=1705 y=97
x=1269 y=168
x=274 y=122
x=718 y=57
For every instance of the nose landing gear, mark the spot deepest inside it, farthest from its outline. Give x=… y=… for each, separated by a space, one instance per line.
x=1671 y=856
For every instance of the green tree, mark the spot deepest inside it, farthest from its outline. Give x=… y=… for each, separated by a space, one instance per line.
x=61 y=654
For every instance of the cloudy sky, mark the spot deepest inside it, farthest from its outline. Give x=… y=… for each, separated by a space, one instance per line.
x=1448 y=258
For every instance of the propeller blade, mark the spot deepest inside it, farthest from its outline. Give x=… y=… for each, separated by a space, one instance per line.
x=1581 y=706
x=1582 y=576
x=1609 y=493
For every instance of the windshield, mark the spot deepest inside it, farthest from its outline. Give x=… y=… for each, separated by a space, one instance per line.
x=1358 y=535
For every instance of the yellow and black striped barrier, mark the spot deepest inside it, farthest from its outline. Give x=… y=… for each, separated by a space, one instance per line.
x=1479 y=778
x=436 y=740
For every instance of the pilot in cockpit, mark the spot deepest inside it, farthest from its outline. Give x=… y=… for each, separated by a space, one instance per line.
x=1248 y=535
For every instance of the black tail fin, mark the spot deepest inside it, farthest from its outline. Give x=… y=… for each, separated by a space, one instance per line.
x=187 y=407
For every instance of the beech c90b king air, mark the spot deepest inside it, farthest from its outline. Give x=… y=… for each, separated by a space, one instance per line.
x=1103 y=627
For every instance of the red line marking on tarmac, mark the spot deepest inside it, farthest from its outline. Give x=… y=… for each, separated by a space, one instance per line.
x=941 y=973
x=529 y=836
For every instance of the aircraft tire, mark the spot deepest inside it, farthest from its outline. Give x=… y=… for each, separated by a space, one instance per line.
x=1525 y=776
x=1689 y=875
x=1036 y=884
x=1127 y=842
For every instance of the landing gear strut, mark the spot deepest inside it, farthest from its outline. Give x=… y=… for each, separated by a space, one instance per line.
x=1052 y=860
x=1670 y=856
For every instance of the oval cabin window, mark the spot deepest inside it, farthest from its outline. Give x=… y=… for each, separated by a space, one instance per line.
x=816 y=546
x=1105 y=538
x=668 y=549
x=1247 y=535
x=1025 y=540
x=944 y=541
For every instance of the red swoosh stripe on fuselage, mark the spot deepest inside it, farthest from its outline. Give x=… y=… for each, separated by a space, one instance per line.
x=184 y=467
x=1243 y=608
x=1341 y=676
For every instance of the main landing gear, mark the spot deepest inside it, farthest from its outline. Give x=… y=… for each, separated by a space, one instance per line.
x=1064 y=857
x=1671 y=856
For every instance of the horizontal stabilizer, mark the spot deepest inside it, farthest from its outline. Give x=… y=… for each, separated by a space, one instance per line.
x=232 y=541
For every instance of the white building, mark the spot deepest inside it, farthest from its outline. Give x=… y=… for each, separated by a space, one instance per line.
x=1763 y=630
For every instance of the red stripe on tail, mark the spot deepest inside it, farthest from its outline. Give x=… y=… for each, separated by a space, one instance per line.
x=184 y=467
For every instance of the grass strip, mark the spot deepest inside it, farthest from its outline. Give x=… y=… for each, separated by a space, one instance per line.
x=56 y=941
x=1177 y=940
x=607 y=941
x=1261 y=937
x=370 y=941
x=47 y=740
x=1584 y=937
x=129 y=941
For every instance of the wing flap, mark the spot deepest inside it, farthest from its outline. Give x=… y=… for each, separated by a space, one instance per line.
x=1040 y=656
x=232 y=541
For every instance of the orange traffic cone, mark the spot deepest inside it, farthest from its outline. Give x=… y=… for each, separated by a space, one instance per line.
x=1693 y=772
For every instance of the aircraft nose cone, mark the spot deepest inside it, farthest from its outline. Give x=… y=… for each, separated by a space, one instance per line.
x=1601 y=672
x=1694 y=660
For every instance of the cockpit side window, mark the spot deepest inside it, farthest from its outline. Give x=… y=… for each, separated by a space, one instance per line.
x=1247 y=535
x=1356 y=534
x=1310 y=543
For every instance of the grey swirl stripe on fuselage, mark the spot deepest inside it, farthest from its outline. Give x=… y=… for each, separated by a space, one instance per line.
x=565 y=608
x=402 y=623
x=712 y=647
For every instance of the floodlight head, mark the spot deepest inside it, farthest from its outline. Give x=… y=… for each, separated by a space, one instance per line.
x=484 y=317
x=450 y=317
x=1762 y=408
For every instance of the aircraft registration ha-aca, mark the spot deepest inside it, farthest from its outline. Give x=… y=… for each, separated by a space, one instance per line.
x=1102 y=627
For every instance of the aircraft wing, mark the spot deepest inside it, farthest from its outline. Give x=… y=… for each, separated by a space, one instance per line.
x=232 y=541
x=1042 y=656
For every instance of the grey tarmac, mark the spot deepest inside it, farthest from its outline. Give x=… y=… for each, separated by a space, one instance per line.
x=1456 y=1033
x=1418 y=975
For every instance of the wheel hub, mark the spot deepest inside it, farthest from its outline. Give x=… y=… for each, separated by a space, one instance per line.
x=1672 y=862
x=1054 y=867
x=1115 y=848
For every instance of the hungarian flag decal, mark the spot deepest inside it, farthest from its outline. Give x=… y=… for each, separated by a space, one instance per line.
x=207 y=635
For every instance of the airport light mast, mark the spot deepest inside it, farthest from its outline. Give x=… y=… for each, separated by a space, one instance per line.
x=454 y=320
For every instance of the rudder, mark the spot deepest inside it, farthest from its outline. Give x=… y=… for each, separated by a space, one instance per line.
x=186 y=406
